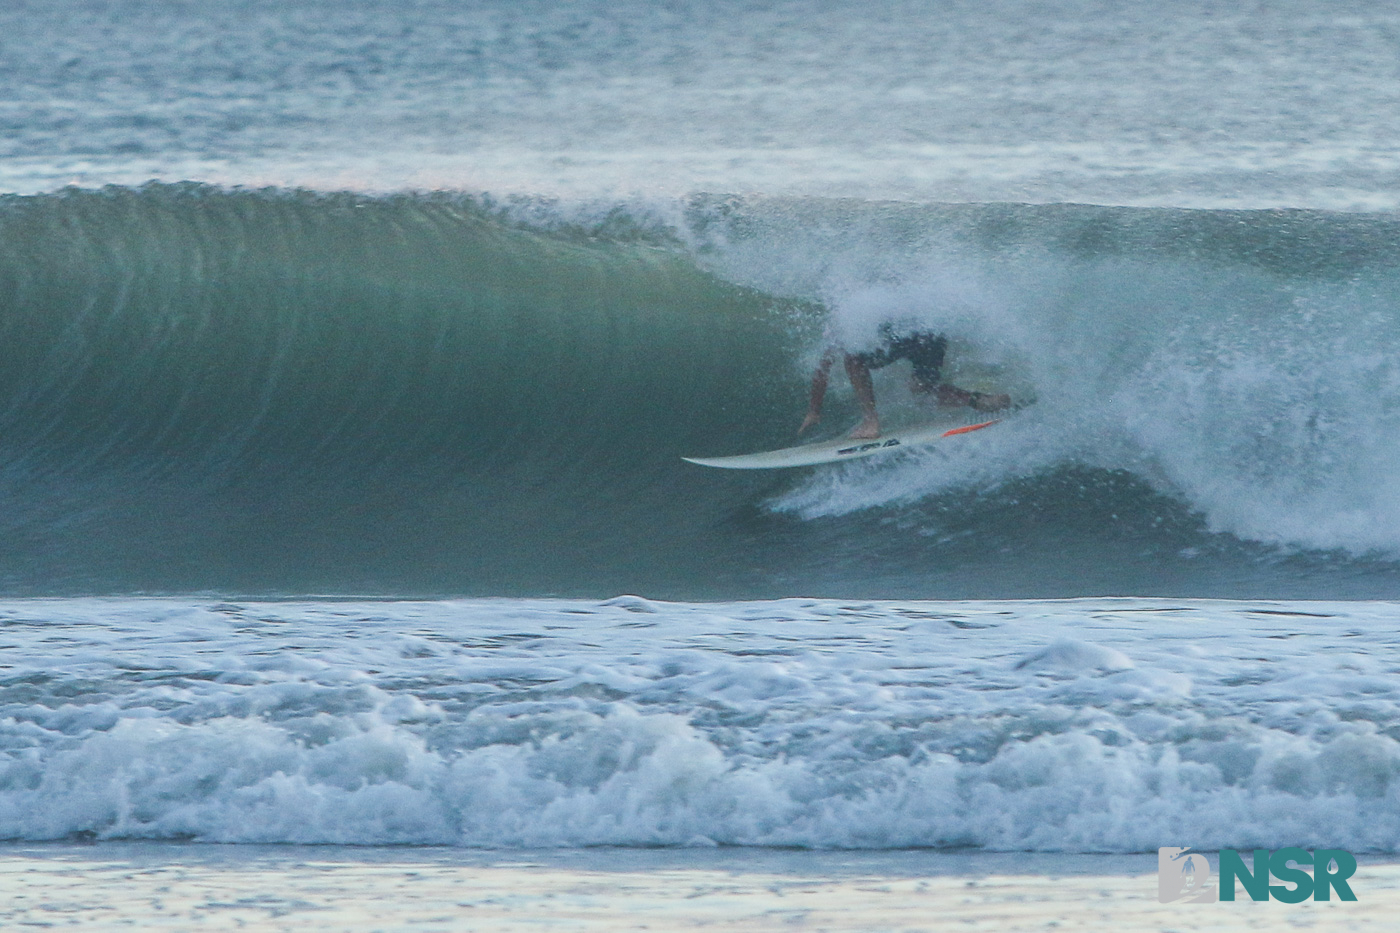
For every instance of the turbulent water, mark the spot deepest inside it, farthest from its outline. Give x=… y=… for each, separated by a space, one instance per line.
x=428 y=300
x=1090 y=725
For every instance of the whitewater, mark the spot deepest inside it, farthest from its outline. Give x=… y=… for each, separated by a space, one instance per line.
x=349 y=352
x=1066 y=726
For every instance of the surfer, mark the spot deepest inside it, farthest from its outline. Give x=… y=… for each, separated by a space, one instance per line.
x=922 y=348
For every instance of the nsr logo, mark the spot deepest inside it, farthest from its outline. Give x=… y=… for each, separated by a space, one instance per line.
x=1183 y=876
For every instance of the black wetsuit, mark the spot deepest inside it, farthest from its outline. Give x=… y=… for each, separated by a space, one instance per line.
x=922 y=348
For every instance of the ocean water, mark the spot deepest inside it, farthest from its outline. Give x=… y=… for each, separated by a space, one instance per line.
x=349 y=351
x=1100 y=725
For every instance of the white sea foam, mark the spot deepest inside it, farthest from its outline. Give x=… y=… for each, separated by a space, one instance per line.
x=1081 y=725
x=1264 y=402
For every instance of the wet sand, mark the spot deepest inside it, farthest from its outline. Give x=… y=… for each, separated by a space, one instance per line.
x=200 y=887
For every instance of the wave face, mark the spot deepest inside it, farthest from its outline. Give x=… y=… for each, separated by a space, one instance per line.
x=281 y=392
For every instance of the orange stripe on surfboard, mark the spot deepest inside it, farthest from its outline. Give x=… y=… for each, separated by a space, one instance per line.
x=969 y=428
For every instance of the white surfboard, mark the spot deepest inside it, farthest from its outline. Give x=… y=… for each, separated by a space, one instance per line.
x=843 y=449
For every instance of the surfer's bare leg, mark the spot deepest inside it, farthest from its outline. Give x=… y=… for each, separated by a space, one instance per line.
x=859 y=372
x=818 y=393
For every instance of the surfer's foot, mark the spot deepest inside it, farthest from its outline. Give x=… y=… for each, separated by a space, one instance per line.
x=952 y=396
x=981 y=401
x=865 y=430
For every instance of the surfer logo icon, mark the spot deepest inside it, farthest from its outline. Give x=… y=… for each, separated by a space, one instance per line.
x=876 y=445
x=1183 y=876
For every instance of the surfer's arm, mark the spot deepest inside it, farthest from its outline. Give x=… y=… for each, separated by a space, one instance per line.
x=820 y=377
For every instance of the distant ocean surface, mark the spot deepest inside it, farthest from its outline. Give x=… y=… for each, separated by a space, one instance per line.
x=349 y=351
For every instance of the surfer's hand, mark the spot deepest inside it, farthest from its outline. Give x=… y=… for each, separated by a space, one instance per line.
x=812 y=418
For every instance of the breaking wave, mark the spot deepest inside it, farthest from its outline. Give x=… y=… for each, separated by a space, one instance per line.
x=286 y=392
